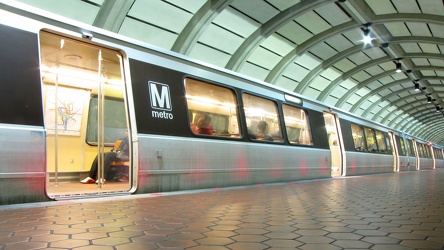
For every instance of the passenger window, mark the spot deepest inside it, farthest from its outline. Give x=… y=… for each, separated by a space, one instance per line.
x=402 y=146
x=371 y=142
x=262 y=118
x=410 y=148
x=421 y=150
x=212 y=109
x=358 y=137
x=114 y=121
x=380 y=140
x=296 y=125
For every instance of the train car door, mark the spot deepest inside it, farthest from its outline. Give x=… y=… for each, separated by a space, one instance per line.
x=417 y=154
x=396 y=161
x=86 y=116
x=336 y=144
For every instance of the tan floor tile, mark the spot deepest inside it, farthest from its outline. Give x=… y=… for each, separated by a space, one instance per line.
x=214 y=241
x=49 y=237
x=27 y=245
x=250 y=238
x=315 y=239
x=208 y=248
x=177 y=243
x=421 y=244
x=311 y=246
x=350 y=244
x=13 y=239
x=135 y=246
x=254 y=231
x=344 y=236
x=71 y=243
x=283 y=243
x=407 y=236
x=186 y=236
x=109 y=241
x=247 y=246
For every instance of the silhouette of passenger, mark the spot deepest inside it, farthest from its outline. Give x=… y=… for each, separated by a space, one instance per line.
x=203 y=125
x=262 y=131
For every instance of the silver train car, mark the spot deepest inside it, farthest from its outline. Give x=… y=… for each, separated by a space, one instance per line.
x=70 y=91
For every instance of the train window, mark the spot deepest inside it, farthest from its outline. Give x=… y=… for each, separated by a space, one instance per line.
x=410 y=148
x=427 y=151
x=114 y=121
x=262 y=118
x=358 y=137
x=438 y=153
x=421 y=150
x=296 y=124
x=387 y=142
x=371 y=141
x=380 y=140
x=402 y=146
x=212 y=109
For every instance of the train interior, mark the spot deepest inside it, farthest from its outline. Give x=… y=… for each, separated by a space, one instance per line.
x=85 y=113
x=336 y=145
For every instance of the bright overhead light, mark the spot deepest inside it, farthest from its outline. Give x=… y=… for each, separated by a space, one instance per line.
x=367 y=38
x=417 y=86
x=429 y=99
x=398 y=67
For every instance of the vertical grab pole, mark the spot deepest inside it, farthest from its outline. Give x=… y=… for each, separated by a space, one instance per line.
x=56 y=148
x=100 y=124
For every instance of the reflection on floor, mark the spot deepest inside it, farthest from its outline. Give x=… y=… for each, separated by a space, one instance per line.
x=67 y=188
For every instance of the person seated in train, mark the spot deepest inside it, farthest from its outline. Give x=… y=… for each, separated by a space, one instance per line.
x=262 y=131
x=116 y=154
x=203 y=125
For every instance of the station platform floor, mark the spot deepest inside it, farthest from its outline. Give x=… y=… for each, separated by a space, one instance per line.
x=385 y=211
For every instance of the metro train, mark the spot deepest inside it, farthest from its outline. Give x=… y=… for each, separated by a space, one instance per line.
x=69 y=91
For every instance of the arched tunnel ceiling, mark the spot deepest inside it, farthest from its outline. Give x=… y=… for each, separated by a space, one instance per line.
x=311 y=47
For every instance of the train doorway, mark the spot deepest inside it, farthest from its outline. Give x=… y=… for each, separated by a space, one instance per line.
x=335 y=143
x=395 y=152
x=86 y=118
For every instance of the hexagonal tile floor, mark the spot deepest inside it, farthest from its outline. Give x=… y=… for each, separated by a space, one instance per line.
x=387 y=211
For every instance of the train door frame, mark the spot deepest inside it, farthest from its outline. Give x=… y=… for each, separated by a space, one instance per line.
x=416 y=152
x=396 y=161
x=432 y=152
x=117 y=66
x=337 y=149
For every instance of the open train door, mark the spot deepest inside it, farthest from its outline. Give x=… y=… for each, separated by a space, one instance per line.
x=396 y=161
x=86 y=113
x=336 y=144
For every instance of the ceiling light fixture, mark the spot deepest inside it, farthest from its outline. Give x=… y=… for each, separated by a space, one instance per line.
x=367 y=38
x=417 y=86
x=398 y=66
x=429 y=99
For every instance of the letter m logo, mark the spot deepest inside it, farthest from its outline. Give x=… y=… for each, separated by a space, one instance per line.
x=160 y=96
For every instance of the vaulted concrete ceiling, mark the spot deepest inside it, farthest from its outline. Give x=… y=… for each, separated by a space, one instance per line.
x=312 y=47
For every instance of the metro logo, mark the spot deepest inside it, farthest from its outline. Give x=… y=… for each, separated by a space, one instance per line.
x=160 y=96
